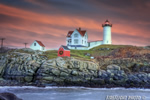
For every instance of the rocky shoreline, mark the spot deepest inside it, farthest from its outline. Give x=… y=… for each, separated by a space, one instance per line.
x=26 y=69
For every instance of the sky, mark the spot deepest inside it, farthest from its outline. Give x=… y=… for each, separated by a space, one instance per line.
x=23 y=21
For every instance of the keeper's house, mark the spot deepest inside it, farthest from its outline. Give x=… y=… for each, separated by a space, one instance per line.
x=77 y=39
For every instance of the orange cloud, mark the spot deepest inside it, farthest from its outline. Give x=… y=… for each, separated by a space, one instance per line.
x=47 y=19
x=39 y=24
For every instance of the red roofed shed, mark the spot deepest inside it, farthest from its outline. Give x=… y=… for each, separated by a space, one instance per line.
x=64 y=51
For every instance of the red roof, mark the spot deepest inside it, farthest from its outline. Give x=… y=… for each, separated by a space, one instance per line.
x=82 y=32
x=40 y=43
x=107 y=23
x=69 y=33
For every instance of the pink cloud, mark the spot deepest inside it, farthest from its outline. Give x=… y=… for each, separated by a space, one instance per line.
x=39 y=24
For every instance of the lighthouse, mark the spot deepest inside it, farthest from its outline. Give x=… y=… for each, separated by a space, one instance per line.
x=107 y=32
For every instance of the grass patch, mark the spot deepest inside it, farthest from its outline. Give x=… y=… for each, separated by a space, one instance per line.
x=24 y=51
x=111 y=47
x=102 y=50
x=78 y=54
x=82 y=54
x=50 y=54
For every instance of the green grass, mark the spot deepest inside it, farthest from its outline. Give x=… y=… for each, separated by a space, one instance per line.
x=23 y=51
x=50 y=54
x=112 y=47
x=80 y=54
x=96 y=51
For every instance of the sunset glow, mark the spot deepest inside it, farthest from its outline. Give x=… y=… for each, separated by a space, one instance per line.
x=50 y=20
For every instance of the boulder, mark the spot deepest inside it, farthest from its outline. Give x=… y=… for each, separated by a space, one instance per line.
x=101 y=72
x=56 y=72
x=92 y=66
x=2 y=70
x=74 y=72
x=113 y=67
x=83 y=66
x=8 y=96
x=148 y=75
x=48 y=78
x=99 y=81
x=63 y=74
x=76 y=64
x=60 y=62
x=28 y=78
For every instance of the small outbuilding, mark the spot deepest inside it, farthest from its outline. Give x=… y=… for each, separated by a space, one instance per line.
x=64 y=51
x=37 y=45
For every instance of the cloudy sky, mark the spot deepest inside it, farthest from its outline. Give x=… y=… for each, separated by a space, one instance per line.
x=50 y=20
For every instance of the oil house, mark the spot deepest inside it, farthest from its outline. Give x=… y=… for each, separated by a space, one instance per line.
x=64 y=51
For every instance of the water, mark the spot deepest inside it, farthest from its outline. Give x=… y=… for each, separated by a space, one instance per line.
x=77 y=93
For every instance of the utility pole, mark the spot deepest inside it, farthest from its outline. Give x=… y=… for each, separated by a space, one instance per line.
x=25 y=44
x=2 y=42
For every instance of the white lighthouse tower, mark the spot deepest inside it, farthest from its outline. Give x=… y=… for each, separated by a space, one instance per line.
x=107 y=32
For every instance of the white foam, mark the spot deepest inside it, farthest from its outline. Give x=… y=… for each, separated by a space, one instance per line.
x=73 y=87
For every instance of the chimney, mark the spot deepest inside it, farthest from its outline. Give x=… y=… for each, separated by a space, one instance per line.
x=79 y=28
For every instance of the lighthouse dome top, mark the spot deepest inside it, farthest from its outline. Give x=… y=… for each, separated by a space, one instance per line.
x=107 y=23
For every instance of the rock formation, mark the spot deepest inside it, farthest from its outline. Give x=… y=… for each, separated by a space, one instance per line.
x=31 y=69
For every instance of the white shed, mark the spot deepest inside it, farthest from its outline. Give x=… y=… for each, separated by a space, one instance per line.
x=37 y=45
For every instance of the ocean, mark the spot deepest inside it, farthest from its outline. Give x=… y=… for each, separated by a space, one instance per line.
x=77 y=93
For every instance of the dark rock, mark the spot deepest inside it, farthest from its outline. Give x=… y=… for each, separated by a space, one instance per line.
x=99 y=81
x=56 y=72
x=48 y=78
x=113 y=67
x=8 y=96
x=28 y=78
x=60 y=61
x=63 y=74
x=74 y=72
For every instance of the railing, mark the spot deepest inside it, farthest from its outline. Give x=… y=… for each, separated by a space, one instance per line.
x=106 y=25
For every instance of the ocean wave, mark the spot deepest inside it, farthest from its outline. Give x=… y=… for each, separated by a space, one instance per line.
x=73 y=87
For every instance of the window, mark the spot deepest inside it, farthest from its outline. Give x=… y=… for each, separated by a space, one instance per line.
x=82 y=41
x=76 y=35
x=69 y=41
x=89 y=44
x=43 y=48
x=34 y=44
x=76 y=41
x=85 y=42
